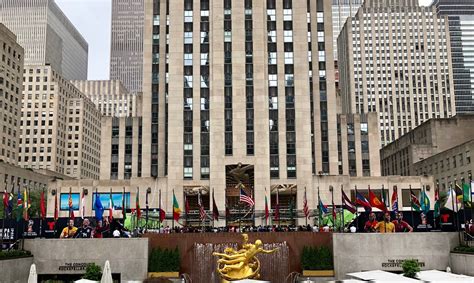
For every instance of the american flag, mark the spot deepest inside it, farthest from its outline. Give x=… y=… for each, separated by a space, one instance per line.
x=202 y=212
x=245 y=198
x=305 y=205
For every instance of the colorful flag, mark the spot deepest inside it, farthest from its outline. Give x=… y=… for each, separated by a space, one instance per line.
x=347 y=203
x=71 y=208
x=384 y=198
x=437 y=206
x=415 y=203
x=322 y=208
x=138 y=210
x=162 y=209
x=26 y=204
x=424 y=202
x=305 y=205
x=361 y=200
x=99 y=209
x=245 y=198
x=111 y=208
x=395 y=199
x=42 y=206
x=7 y=203
x=19 y=205
x=83 y=205
x=267 y=211
x=450 y=201
x=56 y=209
x=202 y=211
x=176 y=210
x=466 y=194
x=333 y=206
x=215 y=210
x=375 y=202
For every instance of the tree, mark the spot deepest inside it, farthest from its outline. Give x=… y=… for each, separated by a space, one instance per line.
x=410 y=268
x=93 y=272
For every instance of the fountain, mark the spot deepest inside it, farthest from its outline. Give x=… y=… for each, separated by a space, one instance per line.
x=273 y=267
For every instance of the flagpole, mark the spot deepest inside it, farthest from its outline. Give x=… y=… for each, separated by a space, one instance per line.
x=172 y=223
x=147 y=207
x=342 y=210
x=331 y=188
x=470 y=196
x=411 y=207
x=319 y=211
x=41 y=216
x=278 y=205
x=458 y=225
x=357 y=208
x=306 y=197
x=159 y=211
x=463 y=203
x=213 y=216
x=4 y=216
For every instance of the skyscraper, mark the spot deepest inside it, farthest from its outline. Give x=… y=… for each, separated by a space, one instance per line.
x=126 y=52
x=395 y=59
x=47 y=36
x=460 y=15
x=341 y=10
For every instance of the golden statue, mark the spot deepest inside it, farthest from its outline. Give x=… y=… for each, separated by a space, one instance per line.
x=241 y=264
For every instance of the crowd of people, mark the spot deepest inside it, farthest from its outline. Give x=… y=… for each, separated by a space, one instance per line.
x=103 y=229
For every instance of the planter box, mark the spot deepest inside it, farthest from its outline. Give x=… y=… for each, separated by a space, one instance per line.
x=170 y=274
x=318 y=273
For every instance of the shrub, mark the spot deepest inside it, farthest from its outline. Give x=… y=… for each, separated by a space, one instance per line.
x=464 y=249
x=93 y=272
x=164 y=260
x=316 y=258
x=14 y=254
x=410 y=268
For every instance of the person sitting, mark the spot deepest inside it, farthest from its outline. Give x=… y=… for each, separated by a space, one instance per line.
x=401 y=225
x=68 y=231
x=385 y=226
x=369 y=226
x=85 y=231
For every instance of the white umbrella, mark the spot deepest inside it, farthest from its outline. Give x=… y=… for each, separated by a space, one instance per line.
x=106 y=274
x=33 y=278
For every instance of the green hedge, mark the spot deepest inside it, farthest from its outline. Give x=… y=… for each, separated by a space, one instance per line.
x=166 y=260
x=14 y=254
x=316 y=258
x=464 y=249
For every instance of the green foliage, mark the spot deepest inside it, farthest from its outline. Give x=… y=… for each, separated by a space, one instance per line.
x=93 y=272
x=410 y=268
x=316 y=258
x=464 y=249
x=164 y=260
x=14 y=254
x=34 y=210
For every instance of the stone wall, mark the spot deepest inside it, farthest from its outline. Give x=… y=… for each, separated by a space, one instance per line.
x=462 y=263
x=129 y=257
x=361 y=252
x=15 y=270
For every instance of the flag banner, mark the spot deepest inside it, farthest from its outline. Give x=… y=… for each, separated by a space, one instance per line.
x=267 y=211
x=305 y=205
x=19 y=206
x=111 y=208
x=26 y=204
x=176 y=210
x=83 y=205
x=375 y=202
x=99 y=209
x=42 y=206
x=56 y=207
x=245 y=198
x=395 y=199
x=138 y=210
x=424 y=202
x=466 y=195
x=362 y=201
x=437 y=206
x=415 y=203
x=322 y=208
x=215 y=210
x=451 y=201
x=202 y=211
x=161 y=210
x=71 y=207
x=347 y=203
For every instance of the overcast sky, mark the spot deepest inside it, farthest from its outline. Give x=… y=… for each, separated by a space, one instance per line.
x=92 y=19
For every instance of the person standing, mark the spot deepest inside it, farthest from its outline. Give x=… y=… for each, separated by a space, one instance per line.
x=85 y=231
x=385 y=226
x=401 y=225
x=69 y=231
x=369 y=226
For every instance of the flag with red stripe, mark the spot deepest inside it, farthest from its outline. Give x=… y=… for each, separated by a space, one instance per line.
x=245 y=198
x=305 y=205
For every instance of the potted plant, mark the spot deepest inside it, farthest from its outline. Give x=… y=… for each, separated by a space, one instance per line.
x=410 y=268
x=164 y=263
x=93 y=272
x=317 y=262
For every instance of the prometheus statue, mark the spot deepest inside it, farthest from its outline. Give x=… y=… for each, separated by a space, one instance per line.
x=241 y=264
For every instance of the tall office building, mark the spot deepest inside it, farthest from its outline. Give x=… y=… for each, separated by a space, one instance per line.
x=395 y=59
x=60 y=126
x=341 y=10
x=460 y=15
x=126 y=52
x=47 y=36
x=11 y=86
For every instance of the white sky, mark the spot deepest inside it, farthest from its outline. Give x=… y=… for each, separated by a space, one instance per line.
x=92 y=19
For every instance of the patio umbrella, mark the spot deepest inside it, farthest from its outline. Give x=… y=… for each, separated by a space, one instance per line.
x=106 y=274
x=33 y=278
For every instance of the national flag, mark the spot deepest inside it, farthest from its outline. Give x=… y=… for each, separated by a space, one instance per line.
x=466 y=194
x=375 y=202
x=71 y=208
x=19 y=205
x=202 y=211
x=267 y=211
x=111 y=207
x=137 y=205
x=26 y=204
x=176 y=210
x=322 y=208
x=56 y=209
x=347 y=203
x=5 y=200
x=424 y=202
x=305 y=205
x=124 y=206
x=362 y=201
x=215 y=210
x=7 y=203
x=42 y=206
x=162 y=209
x=437 y=206
x=415 y=203
x=186 y=204
x=385 y=198
x=245 y=198
x=99 y=209
x=450 y=201
x=395 y=199
x=83 y=205
x=333 y=207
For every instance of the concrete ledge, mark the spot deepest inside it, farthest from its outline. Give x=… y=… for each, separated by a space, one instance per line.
x=462 y=263
x=15 y=270
x=129 y=257
x=366 y=251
